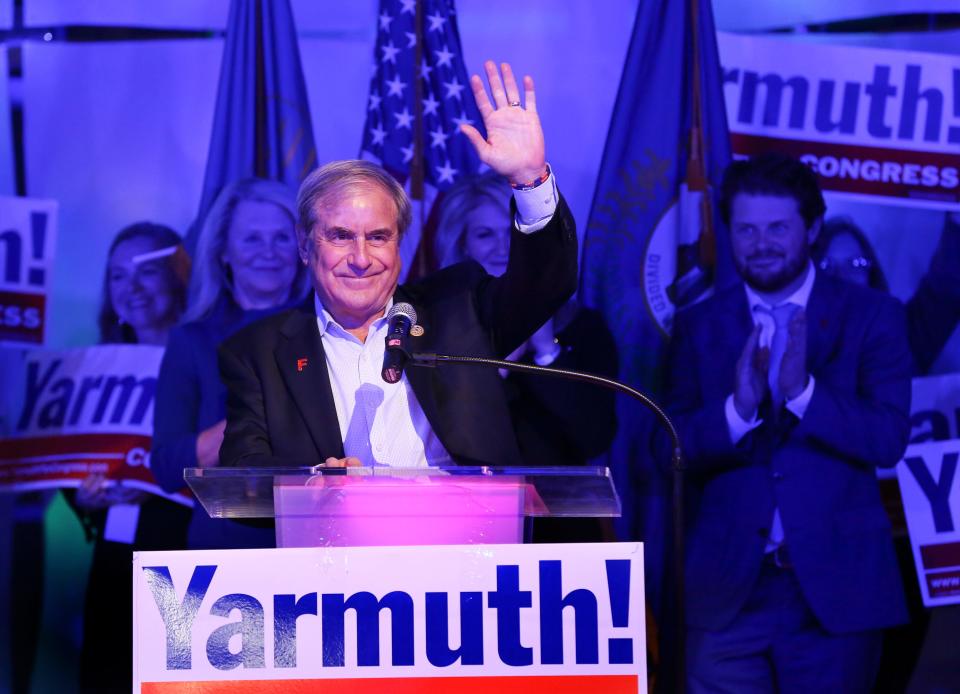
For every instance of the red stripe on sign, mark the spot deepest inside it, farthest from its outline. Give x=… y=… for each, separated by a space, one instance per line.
x=895 y=173
x=942 y=556
x=23 y=316
x=71 y=444
x=595 y=684
x=943 y=584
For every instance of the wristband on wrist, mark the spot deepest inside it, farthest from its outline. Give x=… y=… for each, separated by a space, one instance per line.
x=535 y=183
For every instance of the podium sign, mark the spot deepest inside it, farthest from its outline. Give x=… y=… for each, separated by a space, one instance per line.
x=457 y=618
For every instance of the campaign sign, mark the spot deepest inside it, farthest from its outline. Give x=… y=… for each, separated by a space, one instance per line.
x=874 y=123
x=81 y=411
x=27 y=232
x=935 y=408
x=547 y=619
x=931 y=500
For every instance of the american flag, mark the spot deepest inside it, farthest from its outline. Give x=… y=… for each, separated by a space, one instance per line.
x=419 y=78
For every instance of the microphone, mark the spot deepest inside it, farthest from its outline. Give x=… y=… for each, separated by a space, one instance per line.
x=402 y=317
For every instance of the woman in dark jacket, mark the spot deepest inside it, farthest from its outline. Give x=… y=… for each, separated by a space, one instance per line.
x=245 y=267
x=557 y=422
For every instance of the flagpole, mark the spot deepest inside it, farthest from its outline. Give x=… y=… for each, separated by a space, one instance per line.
x=417 y=165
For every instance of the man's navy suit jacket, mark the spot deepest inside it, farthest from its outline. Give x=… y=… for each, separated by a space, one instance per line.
x=820 y=470
x=280 y=407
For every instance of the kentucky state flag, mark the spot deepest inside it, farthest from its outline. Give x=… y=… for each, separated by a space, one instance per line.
x=653 y=243
x=261 y=125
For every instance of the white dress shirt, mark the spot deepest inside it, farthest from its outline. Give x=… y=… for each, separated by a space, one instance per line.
x=740 y=427
x=383 y=423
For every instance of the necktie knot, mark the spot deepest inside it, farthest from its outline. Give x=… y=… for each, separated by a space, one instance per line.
x=781 y=314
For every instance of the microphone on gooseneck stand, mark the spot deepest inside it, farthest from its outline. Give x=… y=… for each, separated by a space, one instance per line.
x=402 y=317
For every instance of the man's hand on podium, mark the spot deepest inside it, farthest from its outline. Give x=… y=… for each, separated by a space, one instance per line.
x=341 y=462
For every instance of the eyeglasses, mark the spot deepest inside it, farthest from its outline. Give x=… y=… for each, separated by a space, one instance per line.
x=343 y=238
x=857 y=263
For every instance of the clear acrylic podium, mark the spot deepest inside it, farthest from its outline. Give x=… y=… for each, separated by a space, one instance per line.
x=385 y=506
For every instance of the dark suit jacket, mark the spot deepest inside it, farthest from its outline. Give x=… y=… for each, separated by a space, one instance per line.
x=820 y=470
x=279 y=416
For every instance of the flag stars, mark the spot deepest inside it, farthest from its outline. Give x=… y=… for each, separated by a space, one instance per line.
x=378 y=134
x=409 y=6
x=375 y=100
x=444 y=57
x=436 y=21
x=390 y=53
x=396 y=86
x=446 y=173
x=430 y=105
x=462 y=120
x=453 y=88
x=438 y=138
x=425 y=70
x=411 y=39
x=407 y=153
x=385 y=20
x=404 y=118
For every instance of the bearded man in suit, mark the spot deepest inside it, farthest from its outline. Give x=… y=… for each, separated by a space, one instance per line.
x=790 y=390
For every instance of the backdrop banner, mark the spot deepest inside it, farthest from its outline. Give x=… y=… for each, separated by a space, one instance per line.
x=874 y=123
x=27 y=242
x=537 y=619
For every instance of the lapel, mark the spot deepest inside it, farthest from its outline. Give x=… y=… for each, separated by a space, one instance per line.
x=728 y=337
x=421 y=378
x=309 y=383
x=823 y=320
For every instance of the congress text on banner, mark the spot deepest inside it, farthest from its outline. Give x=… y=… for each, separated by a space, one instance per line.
x=507 y=618
x=872 y=122
x=27 y=240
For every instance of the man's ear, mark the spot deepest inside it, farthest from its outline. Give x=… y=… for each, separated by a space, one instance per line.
x=303 y=240
x=814 y=231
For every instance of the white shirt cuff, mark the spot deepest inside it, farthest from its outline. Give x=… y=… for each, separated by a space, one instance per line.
x=800 y=403
x=536 y=206
x=737 y=425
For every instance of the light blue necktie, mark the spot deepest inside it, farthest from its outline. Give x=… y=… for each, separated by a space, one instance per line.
x=782 y=315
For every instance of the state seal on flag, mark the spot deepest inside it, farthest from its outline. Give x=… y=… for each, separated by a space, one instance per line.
x=675 y=272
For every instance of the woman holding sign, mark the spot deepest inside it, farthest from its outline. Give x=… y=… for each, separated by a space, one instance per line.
x=245 y=268
x=144 y=294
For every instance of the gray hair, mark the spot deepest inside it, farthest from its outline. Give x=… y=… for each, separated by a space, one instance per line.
x=210 y=279
x=455 y=208
x=334 y=179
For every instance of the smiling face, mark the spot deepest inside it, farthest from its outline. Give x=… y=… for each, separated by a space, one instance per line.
x=487 y=236
x=771 y=243
x=261 y=252
x=353 y=254
x=141 y=293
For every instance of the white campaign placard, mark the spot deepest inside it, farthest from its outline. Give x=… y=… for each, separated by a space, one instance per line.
x=27 y=242
x=68 y=413
x=935 y=408
x=873 y=123
x=466 y=618
x=931 y=500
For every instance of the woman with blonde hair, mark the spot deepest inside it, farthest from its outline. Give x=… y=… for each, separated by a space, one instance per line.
x=557 y=422
x=245 y=268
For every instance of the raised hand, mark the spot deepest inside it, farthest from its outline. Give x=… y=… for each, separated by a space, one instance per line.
x=750 y=385
x=514 y=145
